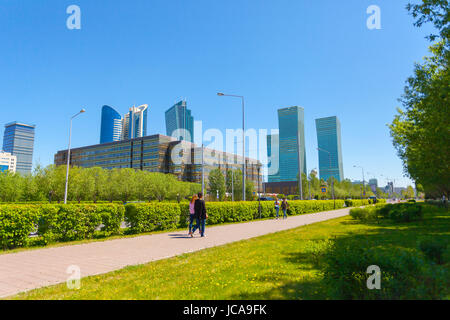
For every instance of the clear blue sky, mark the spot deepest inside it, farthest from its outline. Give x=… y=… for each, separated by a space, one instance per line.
x=315 y=54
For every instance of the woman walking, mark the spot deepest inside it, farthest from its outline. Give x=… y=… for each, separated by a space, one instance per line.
x=284 y=207
x=277 y=206
x=192 y=213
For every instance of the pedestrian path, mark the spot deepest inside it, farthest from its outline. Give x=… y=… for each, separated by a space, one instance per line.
x=32 y=269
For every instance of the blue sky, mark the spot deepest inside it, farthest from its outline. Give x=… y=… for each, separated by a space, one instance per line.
x=316 y=54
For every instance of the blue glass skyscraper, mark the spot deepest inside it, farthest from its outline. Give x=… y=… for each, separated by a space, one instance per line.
x=329 y=139
x=292 y=135
x=273 y=158
x=18 y=140
x=179 y=117
x=111 y=126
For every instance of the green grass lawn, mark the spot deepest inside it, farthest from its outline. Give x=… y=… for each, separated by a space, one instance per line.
x=283 y=265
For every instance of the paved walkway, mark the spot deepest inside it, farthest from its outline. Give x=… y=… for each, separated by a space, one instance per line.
x=32 y=269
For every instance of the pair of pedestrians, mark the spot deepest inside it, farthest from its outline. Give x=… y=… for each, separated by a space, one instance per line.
x=197 y=212
x=284 y=207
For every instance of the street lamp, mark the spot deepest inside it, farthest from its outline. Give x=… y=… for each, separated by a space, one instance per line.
x=332 y=176
x=220 y=94
x=68 y=154
x=364 y=184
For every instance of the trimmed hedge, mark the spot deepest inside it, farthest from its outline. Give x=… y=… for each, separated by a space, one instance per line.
x=58 y=222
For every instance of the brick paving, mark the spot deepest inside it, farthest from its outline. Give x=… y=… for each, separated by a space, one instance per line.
x=33 y=269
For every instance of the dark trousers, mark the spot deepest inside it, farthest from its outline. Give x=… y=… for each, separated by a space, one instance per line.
x=200 y=225
x=191 y=222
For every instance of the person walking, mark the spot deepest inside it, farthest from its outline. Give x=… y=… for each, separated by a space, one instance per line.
x=192 y=213
x=277 y=206
x=200 y=215
x=284 y=207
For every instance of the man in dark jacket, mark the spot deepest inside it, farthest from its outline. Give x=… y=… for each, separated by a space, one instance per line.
x=200 y=214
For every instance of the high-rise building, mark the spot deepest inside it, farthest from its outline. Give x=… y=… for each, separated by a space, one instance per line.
x=111 y=126
x=179 y=117
x=19 y=141
x=7 y=162
x=373 y=183
x=291 y=136
x=134 y=123
x=273 y=158
x=329 y=139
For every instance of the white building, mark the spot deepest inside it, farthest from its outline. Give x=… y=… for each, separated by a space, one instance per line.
x=7 y=162
x=134 y=123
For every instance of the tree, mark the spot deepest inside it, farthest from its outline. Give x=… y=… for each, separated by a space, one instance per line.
x=216 y=184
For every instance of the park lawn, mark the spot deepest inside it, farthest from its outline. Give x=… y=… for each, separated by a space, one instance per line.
x=283 y=265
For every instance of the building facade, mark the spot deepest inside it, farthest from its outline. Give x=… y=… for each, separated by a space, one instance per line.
x=159 y=153
x=273 y=165
x=18 y=140
x=330 y=151
x=111 y=125
x=178 y=119
x=7 y=162
x=291 y=143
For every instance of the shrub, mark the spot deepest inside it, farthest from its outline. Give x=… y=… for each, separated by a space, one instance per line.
x=434 y=250
x=365 y=214
x=147 y=217
x=16 y=224
x=405 y=212
x=404 y=273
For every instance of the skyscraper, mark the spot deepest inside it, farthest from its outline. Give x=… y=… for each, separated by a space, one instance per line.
x=273 y=158
x=7 y=162
x=292 y=134
x=134 y=124
x=111 y=126
x=19 y=141
x=329 y=139
x=179 y=117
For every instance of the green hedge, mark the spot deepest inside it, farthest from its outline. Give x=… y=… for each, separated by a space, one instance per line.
x=57 y=222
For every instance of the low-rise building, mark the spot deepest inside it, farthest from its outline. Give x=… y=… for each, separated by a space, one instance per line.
x=160 y=153
x=7 y=162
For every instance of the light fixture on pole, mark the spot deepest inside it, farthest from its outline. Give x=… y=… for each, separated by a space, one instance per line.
x=68 y=155
x=244 y=166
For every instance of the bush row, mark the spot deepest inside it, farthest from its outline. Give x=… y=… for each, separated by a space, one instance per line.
x=54 y=222
x=401 y=212
x=57 y=222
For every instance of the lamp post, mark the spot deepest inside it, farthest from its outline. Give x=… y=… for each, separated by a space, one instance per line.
x=68 y=155
x=244 y=171
x=332 y=176
x=364 y=184
x=203 y=173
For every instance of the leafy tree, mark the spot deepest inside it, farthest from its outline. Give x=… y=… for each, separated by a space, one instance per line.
x=216 y=184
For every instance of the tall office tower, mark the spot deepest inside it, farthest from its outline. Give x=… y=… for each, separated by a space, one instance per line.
x=111 y=126
x=179 y=117
x=19 y=141
x=273 y=158
x=7 y=162
x=329 y=139
x=292 y=134
x=134 y=123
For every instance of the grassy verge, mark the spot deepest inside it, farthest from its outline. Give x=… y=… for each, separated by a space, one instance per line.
x=285 y=265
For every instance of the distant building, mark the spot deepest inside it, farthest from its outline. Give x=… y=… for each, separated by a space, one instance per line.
x=115 y=128
x=111 y=126
x=373 y=183
x=18 y=140
x=291 y=137
x=134 y=124
x=273 y=157
x=329 y=139
x=178 y=119
x=7 y=162
x=159 y=153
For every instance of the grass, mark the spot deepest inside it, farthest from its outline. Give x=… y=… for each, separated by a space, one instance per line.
x=284 y=265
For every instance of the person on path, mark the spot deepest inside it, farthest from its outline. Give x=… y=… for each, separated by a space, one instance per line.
x=192 y=213
x=277 y=206
x=200 y=215
x=284 y=207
